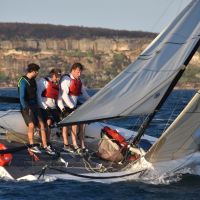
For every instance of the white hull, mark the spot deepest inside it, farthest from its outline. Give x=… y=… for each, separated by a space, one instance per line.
x=139 y=170
x=13 y=121
x=157 y=173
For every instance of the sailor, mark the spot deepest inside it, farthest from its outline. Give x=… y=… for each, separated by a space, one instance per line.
x=47 y=94
x=27 y=90
x=71 y=87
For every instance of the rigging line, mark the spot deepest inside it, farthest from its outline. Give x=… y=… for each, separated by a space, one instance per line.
x=167 y=93
x=132 y=128
x=173 y=111
x=180 y=6
x=89 y=168
x=161 y=16
x=159 y=105
x=42 y=173
x=186 y=139
x=20 y=139
x=137 y=122
x=16 y=149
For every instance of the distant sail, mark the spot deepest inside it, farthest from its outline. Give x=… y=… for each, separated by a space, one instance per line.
x=181 y=138
x=140 y=87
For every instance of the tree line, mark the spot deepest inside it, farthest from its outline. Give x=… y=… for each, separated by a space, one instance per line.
x=11 y=31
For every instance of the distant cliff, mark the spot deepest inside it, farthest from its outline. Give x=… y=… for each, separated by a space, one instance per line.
x=103 y=52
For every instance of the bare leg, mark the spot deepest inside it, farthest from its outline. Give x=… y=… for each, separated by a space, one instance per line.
x=65 y=135
x=43 y=134
x=74 y=136
x=82 y=135
x=30 y=132
x=49 y=122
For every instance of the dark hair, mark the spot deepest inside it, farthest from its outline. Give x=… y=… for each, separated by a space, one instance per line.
x=77 y=65
x=32 y=67
x=55 y=71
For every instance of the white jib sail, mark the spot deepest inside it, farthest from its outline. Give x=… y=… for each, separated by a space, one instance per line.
x=140 y=87
x=181 y=138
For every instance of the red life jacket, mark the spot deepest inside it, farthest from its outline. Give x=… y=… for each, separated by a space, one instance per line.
x=51 y=91
x=115 y=136
x=75 y=86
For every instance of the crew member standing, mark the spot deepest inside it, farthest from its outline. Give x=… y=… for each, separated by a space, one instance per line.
x=47 y=93
x=27 y=90
x=71 y=88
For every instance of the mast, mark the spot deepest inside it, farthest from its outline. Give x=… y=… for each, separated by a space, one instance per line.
x=165 y=61
x=149 y=118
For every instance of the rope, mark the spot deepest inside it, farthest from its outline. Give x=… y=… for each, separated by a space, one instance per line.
x=177 y=102
x=161 y=16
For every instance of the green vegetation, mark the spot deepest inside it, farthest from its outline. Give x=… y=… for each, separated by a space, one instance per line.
x=3 y=77
x=102 y=66
x=120 y=61
x=79 y=54
x=191 y=75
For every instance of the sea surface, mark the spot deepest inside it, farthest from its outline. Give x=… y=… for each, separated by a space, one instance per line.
x=182 y=187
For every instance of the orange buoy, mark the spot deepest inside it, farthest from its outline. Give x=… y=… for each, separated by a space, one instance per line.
x=6 y=158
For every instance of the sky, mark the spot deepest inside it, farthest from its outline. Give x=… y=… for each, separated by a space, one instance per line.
x=133 y=15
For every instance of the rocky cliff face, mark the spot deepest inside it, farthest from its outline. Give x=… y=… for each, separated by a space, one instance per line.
x=102 y=57
x=97 y=45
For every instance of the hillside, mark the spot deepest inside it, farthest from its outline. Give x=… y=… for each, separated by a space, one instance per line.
x=13 y=31
x=104 y=52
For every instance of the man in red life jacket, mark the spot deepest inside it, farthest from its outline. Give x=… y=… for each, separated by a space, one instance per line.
x=47 y=94
x=71 y=88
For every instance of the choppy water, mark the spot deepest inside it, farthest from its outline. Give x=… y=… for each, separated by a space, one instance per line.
x=180 y=187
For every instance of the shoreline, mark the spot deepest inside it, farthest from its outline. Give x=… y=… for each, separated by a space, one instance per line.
x=185 y=87
x=179 y=86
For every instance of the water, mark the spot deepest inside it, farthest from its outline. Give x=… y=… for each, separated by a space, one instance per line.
x=179 y=187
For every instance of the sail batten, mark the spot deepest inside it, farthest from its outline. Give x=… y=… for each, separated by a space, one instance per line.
x=139 y=89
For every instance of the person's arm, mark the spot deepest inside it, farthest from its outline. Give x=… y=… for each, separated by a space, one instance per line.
x=65 y=84
x=41 y=86
x=84 y=92
x=22 y=94
x=60 y=101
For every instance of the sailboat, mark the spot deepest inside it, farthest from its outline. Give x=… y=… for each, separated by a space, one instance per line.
x=141 y=89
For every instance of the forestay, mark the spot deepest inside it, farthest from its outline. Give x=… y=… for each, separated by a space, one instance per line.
x=181 y=138
x=141 y=86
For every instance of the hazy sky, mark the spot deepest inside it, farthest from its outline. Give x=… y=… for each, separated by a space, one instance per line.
x=146 y=15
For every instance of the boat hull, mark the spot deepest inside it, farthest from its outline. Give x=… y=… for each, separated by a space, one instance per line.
x=66 y=166
x=86 y=168
x=63 y=166
x=12 y=121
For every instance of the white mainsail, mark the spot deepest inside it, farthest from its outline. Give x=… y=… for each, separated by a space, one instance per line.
x=182 y=138
x=141 y=86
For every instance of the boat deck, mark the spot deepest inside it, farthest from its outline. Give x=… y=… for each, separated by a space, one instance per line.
x=24 y=164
